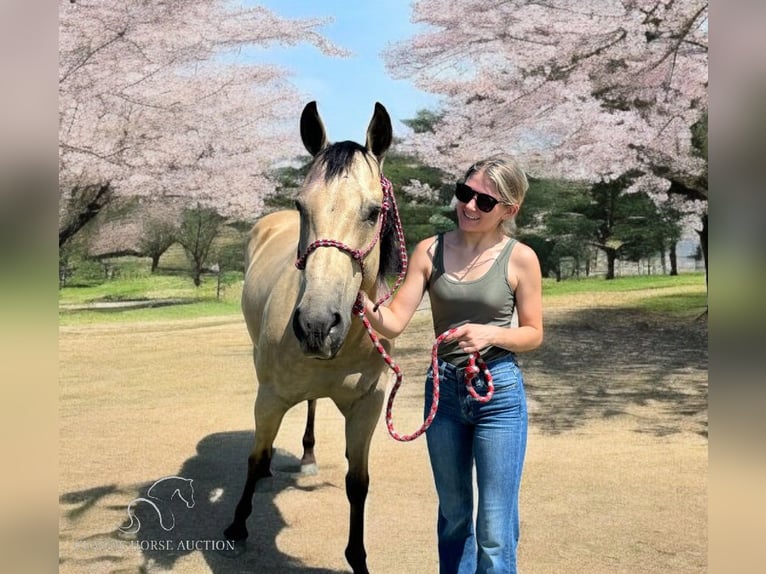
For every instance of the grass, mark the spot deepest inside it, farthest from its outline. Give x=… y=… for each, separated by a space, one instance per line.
x=552 y=288
x=196 y=310
x=683 y=295
x=678 y=304
x=197 y=301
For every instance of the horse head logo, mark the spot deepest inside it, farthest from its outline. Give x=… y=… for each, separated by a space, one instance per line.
x=162 y=491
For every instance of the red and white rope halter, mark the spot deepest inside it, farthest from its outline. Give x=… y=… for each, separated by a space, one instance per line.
x=475 y=363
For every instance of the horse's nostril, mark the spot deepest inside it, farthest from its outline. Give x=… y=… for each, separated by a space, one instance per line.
x=314 y=331
x=298 y=327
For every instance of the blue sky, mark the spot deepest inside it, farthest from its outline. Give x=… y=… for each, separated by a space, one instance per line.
x=346 y=89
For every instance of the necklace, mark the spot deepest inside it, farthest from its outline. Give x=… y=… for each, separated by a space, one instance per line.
x=488 y=256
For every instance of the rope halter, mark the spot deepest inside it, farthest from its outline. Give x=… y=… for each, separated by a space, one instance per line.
x=359 y=255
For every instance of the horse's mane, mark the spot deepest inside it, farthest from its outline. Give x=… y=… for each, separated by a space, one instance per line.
x=336 y=160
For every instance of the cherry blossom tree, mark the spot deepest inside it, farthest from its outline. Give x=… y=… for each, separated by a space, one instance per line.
x=157 y=98
x=586 y=90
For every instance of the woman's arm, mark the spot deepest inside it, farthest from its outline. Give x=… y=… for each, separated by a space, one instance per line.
x=391 y=320
x=524 y=273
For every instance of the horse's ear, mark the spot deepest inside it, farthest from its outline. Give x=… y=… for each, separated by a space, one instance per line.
x=379 y=132
x=312 y=129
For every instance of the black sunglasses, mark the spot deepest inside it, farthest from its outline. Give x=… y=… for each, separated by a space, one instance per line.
x=484 y=202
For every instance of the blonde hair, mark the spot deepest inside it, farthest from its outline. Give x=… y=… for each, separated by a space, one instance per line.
x=509 y=180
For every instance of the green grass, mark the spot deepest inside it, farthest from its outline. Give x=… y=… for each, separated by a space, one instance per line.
x=678 y=304
x=199 y=301
x=150 y=287
x=196 y=310
x=202 y=301
x=552 y=288
x=691 y=303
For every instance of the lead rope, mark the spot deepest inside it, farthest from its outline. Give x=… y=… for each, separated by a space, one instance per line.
x=475 y=366
x=389 y=202
x=471 y=370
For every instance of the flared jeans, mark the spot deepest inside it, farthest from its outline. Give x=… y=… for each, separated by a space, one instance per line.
x=490 y=437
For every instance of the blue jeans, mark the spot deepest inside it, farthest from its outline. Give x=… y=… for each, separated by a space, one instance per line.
x=493 y=437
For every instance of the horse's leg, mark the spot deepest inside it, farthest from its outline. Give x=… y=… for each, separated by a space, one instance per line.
x=308 y=461
x=361 y=420
x=269 y=412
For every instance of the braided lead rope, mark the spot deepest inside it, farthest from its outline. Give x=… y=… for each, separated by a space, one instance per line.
x=389 y=202
x=475 y=366
x=359 y=311
x=388 y=195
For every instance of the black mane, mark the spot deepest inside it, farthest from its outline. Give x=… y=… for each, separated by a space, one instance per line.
x=390 y=262
x=337 y=158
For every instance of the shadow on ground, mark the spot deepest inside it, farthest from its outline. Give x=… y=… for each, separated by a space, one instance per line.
x=601 y=363
x=217 y=472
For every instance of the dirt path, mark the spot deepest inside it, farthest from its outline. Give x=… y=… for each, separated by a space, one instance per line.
x=615 y=476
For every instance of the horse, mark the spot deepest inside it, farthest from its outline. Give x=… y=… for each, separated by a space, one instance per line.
x=299 y=309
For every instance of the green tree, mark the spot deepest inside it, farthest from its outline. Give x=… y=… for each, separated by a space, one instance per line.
x=669 y=218
x=627 y=225
x=158 y=235
x=638 y=227
x=199 y=228
x=424 y=121
x=289 y=180
x=552 y=223
x=605 y=210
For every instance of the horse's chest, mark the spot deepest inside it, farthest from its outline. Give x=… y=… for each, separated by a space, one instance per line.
x=296 y=379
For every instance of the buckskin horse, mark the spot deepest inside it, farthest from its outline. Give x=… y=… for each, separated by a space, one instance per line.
x=298 y=303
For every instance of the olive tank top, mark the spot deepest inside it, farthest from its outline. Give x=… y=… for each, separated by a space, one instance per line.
x=488 y=300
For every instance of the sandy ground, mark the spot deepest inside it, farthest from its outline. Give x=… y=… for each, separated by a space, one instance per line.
x=615 y=479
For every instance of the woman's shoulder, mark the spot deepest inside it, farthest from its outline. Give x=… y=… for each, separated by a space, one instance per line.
x=523 y=254
x=428 y=244
x=421 y=260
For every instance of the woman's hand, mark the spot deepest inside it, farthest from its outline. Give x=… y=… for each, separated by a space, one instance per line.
x=473 y=337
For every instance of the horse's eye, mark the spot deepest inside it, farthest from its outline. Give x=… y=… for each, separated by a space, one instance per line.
x=372 y=215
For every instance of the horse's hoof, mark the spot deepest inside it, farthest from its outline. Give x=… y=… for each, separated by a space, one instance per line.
x=232 y=548
x=309 y=469
x=236 y=533
x=358 y=566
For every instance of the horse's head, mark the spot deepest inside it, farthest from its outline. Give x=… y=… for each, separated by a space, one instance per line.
x=341 y=201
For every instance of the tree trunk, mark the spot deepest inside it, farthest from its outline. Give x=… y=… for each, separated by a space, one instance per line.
x=703 y=243
x=673 y=256
x=155 y=262
x=87 y=203
x=611 y=257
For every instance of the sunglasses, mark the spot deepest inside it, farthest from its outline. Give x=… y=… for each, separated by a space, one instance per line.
x=484 y=202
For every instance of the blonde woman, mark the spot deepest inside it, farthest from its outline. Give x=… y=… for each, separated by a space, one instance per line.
x=476 y=276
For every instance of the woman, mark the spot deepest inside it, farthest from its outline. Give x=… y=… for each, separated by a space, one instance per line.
x=476 y=276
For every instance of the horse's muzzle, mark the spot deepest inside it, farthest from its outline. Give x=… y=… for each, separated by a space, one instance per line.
x=321 y=334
